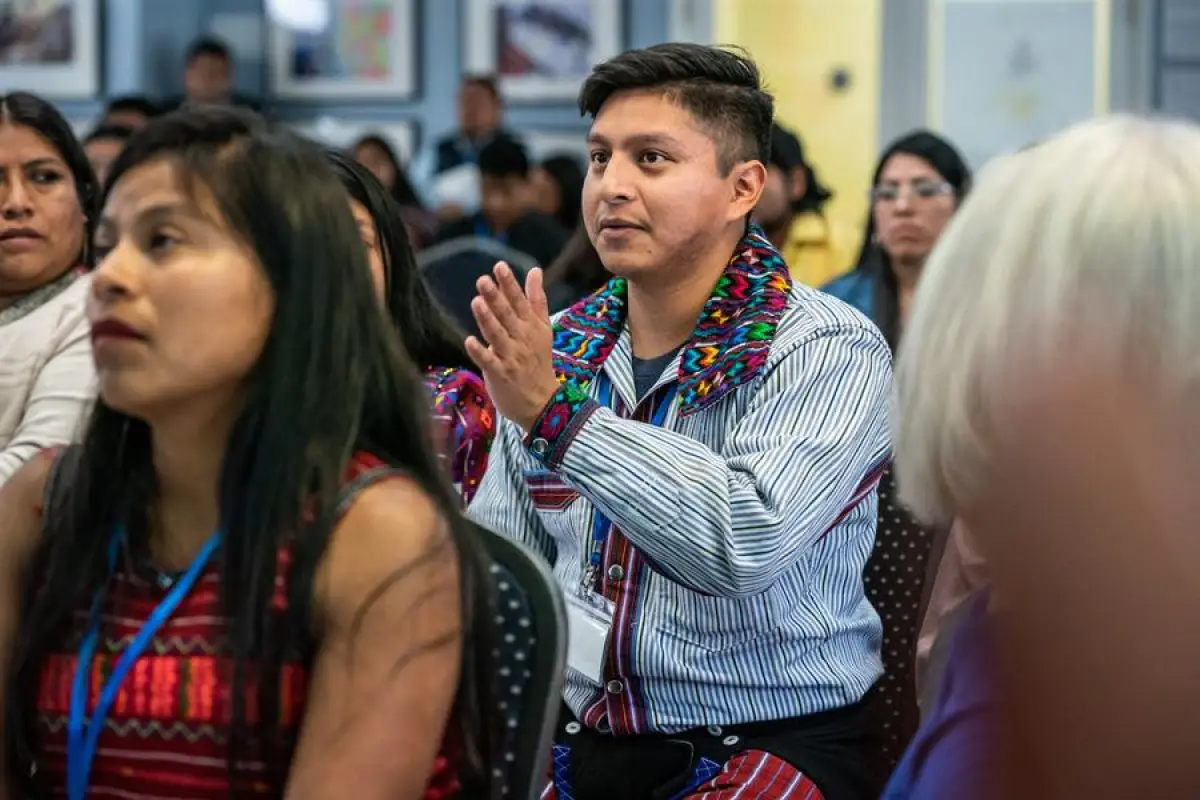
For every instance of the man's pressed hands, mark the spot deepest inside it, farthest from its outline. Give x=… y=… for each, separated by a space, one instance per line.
x=516 y=359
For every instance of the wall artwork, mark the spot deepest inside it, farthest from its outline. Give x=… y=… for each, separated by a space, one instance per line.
x=541 y=50
x=50 y=47
x=362 y=49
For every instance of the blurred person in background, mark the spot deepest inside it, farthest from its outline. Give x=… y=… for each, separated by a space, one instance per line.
x=376 y=153
x=918 y=184
x=1053 y=411
x=208 y=76
x=429 y=335
x=791 y=213
x=48 y=199
x=130 y=111
x=480 y=121
x=103 y=145
x=558 y=189
x=508 y=213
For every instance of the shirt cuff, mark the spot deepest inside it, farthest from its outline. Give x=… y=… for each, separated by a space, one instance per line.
x=560 y=421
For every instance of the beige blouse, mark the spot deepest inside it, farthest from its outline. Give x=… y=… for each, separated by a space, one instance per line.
x=47 y=379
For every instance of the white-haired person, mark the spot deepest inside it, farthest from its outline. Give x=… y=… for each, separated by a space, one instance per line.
x=1047 y=385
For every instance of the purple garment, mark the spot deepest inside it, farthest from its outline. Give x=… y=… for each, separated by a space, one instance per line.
x=953 y=755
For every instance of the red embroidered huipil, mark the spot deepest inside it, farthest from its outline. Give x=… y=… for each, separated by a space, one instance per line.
x=166 y=735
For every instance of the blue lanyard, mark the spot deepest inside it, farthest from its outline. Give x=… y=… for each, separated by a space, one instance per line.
x=601 y=524
x=81 y=748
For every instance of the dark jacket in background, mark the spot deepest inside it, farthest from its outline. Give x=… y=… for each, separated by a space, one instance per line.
x=537 y=235
x=455 y=150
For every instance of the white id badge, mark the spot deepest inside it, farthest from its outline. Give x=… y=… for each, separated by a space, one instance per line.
x=588 y=623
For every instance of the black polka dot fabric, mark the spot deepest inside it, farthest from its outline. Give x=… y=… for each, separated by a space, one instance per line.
x=895 y=578
x=512 y=656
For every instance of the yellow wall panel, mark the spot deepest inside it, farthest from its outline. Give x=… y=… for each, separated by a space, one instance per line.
x=799 y=44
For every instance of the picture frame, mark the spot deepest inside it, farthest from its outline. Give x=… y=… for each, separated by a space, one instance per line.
x=690 y=21
x=368 y=50
x=540 y=50
x=57 y=55
x=542 y=143
x=403 y=134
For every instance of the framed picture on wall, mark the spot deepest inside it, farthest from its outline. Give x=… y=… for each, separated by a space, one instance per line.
x=544 y=143
x=541 y=50
x=50 y=47
x=402 y=134
x=360 y=49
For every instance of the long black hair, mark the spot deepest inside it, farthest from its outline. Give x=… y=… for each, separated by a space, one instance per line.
x=428 y=332
x=402 y=191
x=947 y=162
x=31 y=111
x=332 y=379
x=567 y=172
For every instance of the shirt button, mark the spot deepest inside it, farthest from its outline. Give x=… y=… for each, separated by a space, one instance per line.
x=616 y=572
x=615 y=687
x=540 y=446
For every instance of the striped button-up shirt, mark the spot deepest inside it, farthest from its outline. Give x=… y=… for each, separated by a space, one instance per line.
x=741 y=526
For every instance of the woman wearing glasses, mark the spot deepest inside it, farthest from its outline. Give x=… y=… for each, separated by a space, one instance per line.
x=918 y=184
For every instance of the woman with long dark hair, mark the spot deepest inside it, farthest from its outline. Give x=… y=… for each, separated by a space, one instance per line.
x=48 y=198
x=251 y=576
x=376 y=153
x=428 y=333
x=919 y=182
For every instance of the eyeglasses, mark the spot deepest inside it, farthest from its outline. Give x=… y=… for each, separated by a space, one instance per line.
x=922 y=189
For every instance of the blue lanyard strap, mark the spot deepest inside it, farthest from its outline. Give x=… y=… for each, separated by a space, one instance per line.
x=601 y=524
x=81 y=746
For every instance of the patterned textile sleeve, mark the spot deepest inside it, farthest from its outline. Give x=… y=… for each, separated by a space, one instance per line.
x=460 y=397
x=728 y=523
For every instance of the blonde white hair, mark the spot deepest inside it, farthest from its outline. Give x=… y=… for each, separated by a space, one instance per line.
x=1090 y=238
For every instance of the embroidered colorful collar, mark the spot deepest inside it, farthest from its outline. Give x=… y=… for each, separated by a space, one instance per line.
x=728 y=347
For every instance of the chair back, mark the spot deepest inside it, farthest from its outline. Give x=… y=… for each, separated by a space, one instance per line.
x=895 y=579
x=532 y=662
x=451 y=270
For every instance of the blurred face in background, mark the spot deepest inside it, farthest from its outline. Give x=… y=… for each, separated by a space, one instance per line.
x=373 y=157
x=505 y=199
x=125 y=118
x=781 y=190
x=478 y=110
x=208 y=79
x=41 y=221
x=911 y=203
x=546 y=193
x=101 y=153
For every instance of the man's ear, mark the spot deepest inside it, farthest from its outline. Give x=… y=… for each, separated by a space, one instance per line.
x=747 y=181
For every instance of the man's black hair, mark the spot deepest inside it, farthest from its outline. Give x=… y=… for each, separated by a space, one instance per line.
x=721 y=88
x=209 y=46
x=503 y=158
x=486 y=82
x=120 y=133
x=134 y=103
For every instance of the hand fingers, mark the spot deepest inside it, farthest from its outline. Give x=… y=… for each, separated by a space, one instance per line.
x=493 y=331
x=500 y=306
x=535 y=290
x=511 y=290
x=480 y=354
